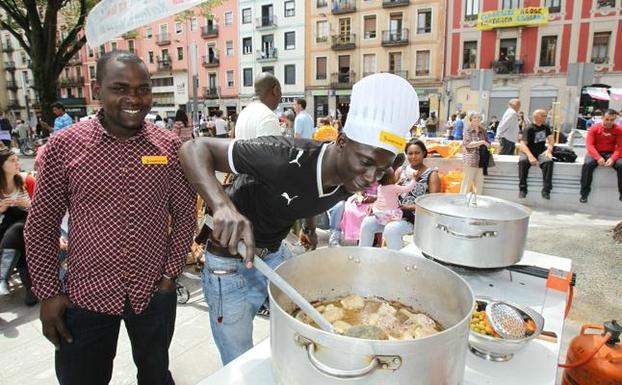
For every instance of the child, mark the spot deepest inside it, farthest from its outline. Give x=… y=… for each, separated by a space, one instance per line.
x=386 y=208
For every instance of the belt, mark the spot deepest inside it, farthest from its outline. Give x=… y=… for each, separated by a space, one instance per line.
x=221 y=251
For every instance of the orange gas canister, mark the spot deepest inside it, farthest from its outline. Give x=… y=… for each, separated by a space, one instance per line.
x=595 y=359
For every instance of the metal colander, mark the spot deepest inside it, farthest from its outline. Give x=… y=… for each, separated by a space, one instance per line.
x=506 y=320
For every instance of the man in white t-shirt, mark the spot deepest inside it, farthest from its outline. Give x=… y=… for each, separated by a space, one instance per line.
x=258 y=118
x=221 y=126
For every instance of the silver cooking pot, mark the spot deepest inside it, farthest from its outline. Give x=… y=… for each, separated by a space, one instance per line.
x=303 y=355
x=468 y=230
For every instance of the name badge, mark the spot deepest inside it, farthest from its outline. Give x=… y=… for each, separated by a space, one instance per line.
x=154 y=159
x=393 y=140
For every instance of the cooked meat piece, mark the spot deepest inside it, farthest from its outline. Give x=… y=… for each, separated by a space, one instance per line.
x=321 y=308
x=302 y=317
x=385 y=309
x=424 y=332
x=341 y=327
x=333 y=313
x=353 y=302
x=424 y=321
x=372 y=319
x=389 y=325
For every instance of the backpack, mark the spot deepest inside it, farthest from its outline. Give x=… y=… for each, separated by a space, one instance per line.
x=564 y=154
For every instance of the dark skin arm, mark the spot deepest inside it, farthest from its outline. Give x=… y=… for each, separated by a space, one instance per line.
x=200 y=159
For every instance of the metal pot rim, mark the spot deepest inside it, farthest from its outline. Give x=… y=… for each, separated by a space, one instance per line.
x=420 y=202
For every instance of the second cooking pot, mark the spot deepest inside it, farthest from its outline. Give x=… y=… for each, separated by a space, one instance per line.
x=468 y=230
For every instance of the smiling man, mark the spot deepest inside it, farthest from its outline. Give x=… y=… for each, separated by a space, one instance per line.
x=132 y=220
x=280 y=181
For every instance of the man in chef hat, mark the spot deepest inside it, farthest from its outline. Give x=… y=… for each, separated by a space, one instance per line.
x=280 y=181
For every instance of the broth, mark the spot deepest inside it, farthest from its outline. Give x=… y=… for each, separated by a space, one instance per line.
x=396 y=320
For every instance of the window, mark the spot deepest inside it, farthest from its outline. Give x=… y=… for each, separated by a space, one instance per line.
x=248 y=77
x=92 y=72
x=600 y=47
x=290 y=40
x=113 y=46
x=151 y=57
x=229 y=48
x=471 y=10
x=102 y=49
x=165 y=55
x=130 y=46
x=148 y=32
x=423 y=63
x=469 y=54
x=178 y=28
x=290 y=74
x=424 y=21
x=230 y=81
x=369 y=27
x=180 y=53
x=66 y=72
x=369 y=64
x=605 y=3
x=290 y=8
x=553 y=5
x=93 y=95
x=247 y=45
x=164 y=99
x=510 y=4
x=395 y=62
x=321 y=35
x=228 y=18
x=548 y=48
x=269 y=69
x=320 y=68
x=79 y=71
x=246 y=16
x=80 y=92
x=162 y=82
x=321 y=3
x=91 y=53
x=193 y=24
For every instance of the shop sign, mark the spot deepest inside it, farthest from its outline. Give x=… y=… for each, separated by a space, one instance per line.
x=515 y=17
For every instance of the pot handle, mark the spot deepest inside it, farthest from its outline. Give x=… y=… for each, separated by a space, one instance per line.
x=377 y=362
x=483 y=234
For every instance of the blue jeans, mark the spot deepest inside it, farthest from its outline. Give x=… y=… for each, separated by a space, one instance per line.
x=335 y=214
x=392 y=232
x=234 y=294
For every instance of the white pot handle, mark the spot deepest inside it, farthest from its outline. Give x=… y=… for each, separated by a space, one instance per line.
x=377 y=362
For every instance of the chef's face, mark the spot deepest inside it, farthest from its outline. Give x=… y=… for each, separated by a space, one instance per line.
x=360 y=165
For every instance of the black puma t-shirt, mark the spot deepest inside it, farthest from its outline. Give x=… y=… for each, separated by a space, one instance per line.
x=279 y=182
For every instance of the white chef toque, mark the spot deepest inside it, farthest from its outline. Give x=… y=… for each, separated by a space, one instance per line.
x=383 y=108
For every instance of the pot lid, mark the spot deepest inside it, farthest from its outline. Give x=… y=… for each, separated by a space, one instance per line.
x=473 y=206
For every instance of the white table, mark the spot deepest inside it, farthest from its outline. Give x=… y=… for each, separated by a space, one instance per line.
x=536 y=364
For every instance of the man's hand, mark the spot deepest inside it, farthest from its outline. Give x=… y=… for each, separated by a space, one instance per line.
x=309 y=241
x=166 y=284
x=51 y=315
x=609 y=162
x=533 y=161
x=601 y=162
x=549 y=154
x=231 y=227
x=63 y=244
x=23 y=203
x=4 y=205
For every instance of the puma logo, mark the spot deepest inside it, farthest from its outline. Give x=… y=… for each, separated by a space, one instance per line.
x=300 y=152
x=289 y=200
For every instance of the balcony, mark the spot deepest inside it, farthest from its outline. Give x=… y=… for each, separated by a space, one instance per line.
x=394 y=3
x=211 y=92
x=7 y=47
x=267 y=55
x=211 y=61
x=72 y=81
x=507 y=67
x=208 y=31
x=13 y=104
x=163 y=39
x=11 y=85
x=265 y=22
x=395 y=38
x=403 y=74
x=165 y=64
x=343 y=7
x=343 y=41
x=9 y=65
x=342 y=80
x=75 y=60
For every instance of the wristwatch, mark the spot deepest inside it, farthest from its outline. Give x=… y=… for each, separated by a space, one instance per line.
x=307 y=230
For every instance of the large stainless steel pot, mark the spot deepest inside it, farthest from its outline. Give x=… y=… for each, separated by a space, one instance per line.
x=482 y=231
x=303 y=355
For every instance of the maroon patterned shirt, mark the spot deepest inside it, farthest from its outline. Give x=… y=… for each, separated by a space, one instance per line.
x=119 y=206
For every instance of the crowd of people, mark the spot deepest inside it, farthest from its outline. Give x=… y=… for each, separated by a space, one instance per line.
x=132 y=212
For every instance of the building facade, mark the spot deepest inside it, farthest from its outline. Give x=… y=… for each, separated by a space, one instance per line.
x=272 y=40
x=348 y=40
x=532 y=63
